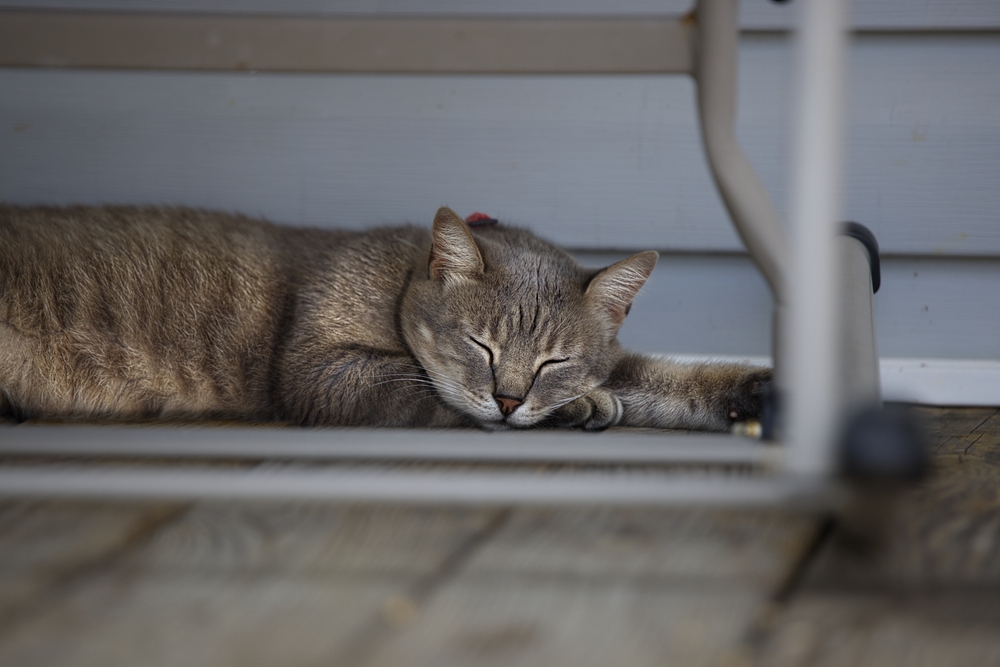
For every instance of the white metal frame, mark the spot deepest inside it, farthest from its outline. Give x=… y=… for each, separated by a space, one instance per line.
x=389 y=445
x=704 y=45
x=373 y=484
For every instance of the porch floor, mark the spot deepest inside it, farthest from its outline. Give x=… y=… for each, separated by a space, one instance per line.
x=282 y=583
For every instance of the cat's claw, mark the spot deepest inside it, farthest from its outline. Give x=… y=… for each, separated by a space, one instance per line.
x=595 y=411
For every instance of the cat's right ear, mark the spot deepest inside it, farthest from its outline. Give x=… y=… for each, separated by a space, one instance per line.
x=454 y=254
x=613 y=289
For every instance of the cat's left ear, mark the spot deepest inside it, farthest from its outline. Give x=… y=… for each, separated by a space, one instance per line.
x=454 y=254
x=613 y=289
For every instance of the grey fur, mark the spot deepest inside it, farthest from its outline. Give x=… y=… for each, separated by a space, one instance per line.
x=126 y=313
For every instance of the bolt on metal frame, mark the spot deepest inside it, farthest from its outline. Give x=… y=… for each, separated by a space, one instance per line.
x=824 y=343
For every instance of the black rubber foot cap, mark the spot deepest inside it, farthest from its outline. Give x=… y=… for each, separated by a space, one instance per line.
x=884 y=444
x=769 y=408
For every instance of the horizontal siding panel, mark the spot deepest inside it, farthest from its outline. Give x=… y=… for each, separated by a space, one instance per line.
x=755 y=14
x=927 y=308
x=592 y=162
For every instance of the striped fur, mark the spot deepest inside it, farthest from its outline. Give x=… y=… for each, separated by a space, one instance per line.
x=133 y=313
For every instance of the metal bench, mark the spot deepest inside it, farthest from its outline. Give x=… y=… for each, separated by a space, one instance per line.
x=824 y=346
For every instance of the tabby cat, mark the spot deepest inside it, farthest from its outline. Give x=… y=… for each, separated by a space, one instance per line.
x=132 y=313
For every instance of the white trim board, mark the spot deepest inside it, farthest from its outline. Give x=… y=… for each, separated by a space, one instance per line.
x=974 y=382
x=942 y=381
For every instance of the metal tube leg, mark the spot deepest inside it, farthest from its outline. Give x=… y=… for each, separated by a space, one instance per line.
x=814 y=418
x=859 y=369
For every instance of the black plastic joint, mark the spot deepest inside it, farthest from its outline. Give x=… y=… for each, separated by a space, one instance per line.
x=858 y=231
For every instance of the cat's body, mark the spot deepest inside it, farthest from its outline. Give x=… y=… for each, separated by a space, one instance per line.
x=132 y=313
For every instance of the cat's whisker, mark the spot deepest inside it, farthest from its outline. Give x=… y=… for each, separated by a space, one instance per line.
x=455 y=396
x=451 y=384
x=418 y=379
x=448 y=391
x=413 y=368
x=406 y=382
x=559 y=404
x=416 y=387
x=447 y=382
x=414 y=395
x=402 y=394
x=411 y=378
x=420 y=376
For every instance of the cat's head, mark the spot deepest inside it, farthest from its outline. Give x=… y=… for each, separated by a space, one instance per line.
x=509 y=327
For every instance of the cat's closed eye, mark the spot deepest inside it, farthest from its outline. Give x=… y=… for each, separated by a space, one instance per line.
x=549 y=363
x=485 y=347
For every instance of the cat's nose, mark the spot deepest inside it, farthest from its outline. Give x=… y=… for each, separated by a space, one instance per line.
x=507 y=404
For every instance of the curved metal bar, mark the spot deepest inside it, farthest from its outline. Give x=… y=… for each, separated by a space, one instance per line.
x=749 y=205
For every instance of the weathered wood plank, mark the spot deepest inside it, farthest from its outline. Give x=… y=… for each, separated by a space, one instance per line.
x=130 y=618
x=251 y=539
x=928 y=595
x=879 y=629
x=712 y=545
x=520 y=621
x=48 y=545
x=604 y=587
x=305 y=583
x=946 y=530
x=247 y=584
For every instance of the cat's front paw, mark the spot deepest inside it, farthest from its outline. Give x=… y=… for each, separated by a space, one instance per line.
x=744 y=401
x=594 y=411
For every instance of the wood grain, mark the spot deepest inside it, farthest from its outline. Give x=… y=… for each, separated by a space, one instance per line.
x=310 y=583
x=130 y=619
x=48 y=546
x=929 y=595
x=878 y=629
x=945 y=531
x=604 y=587
x=712 y=545
x=247 y=584
x=517 y=621
x=309 y=540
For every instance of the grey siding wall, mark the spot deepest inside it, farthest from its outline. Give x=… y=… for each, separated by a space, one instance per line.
x=598 y=164
x=928 y=308
x=592 y=162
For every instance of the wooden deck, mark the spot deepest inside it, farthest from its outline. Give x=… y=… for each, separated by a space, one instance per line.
x=288 y=584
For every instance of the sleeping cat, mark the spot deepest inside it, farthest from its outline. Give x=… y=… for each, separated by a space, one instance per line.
x=127 y=313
